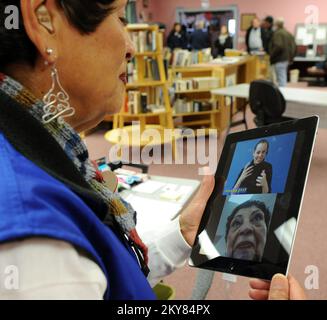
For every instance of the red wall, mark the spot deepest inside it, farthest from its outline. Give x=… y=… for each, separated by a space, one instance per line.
x=148 y=13
x=293 y=11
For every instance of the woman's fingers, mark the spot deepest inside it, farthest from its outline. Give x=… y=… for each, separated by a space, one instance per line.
x=248 y=173
x=279 y=288
x=259 y=284
x=258 y=294
x=259 y=289
x=259 y=182
x=296 y=291
x=249 y=168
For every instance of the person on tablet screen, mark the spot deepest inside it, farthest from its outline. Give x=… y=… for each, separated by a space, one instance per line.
x=246 y=231
x=256 y=176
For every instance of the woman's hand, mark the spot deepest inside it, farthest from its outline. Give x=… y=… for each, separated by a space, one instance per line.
x=262 y=182
x=191 y=216
x=280 y=288
x=248 y=170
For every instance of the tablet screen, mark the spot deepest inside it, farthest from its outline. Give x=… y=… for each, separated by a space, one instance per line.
x=249 y=227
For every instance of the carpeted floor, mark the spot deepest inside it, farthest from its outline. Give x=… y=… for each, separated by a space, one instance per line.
x=310 y=246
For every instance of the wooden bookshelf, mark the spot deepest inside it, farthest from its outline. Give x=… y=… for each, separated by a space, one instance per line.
x=244 y=70
x=196 y=118
x=150 y=78
x=146 y=79
x=139 y=84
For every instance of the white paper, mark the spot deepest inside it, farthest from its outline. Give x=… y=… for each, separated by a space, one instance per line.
x=149 y=187
x=301 y=33
x=308 y=39
x=152 y=213
x=321 y=34
x=185 y=192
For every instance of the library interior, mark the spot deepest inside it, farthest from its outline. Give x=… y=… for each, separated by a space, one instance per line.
x=195 y=72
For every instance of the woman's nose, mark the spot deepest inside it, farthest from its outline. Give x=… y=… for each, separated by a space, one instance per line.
x=246 y=229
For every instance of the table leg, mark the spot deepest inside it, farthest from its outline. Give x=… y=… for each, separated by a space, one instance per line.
x=237 y=123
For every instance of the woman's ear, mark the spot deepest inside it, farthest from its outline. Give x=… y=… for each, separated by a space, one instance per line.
x=38 y=22
x=44 y=18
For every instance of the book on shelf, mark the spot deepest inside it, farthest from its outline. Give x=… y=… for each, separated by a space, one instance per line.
x=155 y=70
x=196 y=83
x=134 y=102
x=184 y=58
x=132 y=75
x=185 y=106
x=143 y=102
x=148 y=69
x=205 y=83
x=144 y=41
x=137 y=26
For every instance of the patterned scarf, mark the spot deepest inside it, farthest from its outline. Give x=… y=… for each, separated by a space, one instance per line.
x=76 y=150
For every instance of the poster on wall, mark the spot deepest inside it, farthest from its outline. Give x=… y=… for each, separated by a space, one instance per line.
x=246 y=20
x=205 y=4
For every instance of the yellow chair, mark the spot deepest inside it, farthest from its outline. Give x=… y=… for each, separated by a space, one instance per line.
x=164 y=292
x=233 y=53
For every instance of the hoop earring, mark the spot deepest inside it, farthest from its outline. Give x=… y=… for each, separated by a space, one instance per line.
x=57 y=105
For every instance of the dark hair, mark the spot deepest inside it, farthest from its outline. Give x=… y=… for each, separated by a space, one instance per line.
x=175 y=25
x=262 y=141
x=260 y=205
x=84 y=15
x=269 y=19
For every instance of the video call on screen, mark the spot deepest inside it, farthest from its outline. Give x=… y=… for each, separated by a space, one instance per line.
x=257 y=177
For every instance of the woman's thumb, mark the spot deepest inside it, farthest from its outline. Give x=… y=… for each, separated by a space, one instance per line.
x=279 y=288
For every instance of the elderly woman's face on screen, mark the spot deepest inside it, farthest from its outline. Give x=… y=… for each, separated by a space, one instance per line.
x=91 y=66
x=260 y=153
x=247 y=235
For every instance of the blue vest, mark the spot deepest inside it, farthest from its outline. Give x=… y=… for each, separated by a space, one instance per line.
x=34 y=204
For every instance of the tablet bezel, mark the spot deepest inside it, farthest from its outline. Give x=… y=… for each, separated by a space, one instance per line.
x=250 y=268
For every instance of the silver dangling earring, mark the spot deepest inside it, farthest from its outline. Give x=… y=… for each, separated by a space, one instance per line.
x=56 y=104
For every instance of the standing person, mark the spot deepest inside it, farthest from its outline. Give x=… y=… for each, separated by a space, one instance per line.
x=213 y=37
x=282 y=51
x=267 y=27
x=177 y=38
x=225 y=41
x=254 y=36
x=199 y=39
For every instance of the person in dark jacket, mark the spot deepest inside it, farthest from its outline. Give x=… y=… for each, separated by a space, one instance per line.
x=282 y=51
x=213 y=37
x=254 y=38
x=257 y=175
x=177 y=38
x=199 y=39
x=225 y=41
x=267 y=26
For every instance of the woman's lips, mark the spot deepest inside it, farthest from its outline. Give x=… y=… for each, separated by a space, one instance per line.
x=123 y=78
x=245 y=245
